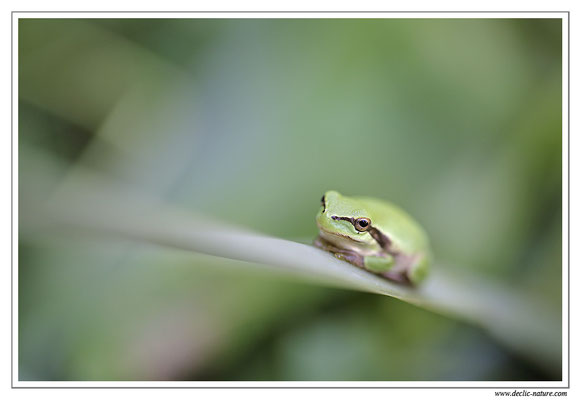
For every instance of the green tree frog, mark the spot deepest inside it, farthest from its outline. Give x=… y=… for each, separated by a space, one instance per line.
x=374 y=235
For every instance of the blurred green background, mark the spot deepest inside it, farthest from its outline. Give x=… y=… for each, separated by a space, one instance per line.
x=249 y=121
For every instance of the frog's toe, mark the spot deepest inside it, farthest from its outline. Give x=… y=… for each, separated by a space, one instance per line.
x=352 y=258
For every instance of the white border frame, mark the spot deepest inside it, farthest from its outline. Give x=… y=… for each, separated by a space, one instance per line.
x=563 y=384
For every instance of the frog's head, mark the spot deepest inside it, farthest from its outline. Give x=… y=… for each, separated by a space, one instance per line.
x=344 y=218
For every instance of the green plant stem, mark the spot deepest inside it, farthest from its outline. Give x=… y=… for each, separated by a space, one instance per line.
x=99 y=207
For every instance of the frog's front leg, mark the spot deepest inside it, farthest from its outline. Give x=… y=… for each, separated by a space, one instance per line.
x=379 y=264
x=351 y=257
x=342 y=254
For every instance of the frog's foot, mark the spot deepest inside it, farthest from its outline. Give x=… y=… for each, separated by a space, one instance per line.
x=342 y=254
x=351 y=257
x=397 y=277
x=408 y=270
x=389 y=267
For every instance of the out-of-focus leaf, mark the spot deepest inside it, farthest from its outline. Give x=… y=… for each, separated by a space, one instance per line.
x=92 y=204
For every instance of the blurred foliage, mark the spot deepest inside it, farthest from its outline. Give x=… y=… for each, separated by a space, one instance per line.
x=250 y=121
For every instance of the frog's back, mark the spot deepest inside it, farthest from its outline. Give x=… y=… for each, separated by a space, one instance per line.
x=401 y=228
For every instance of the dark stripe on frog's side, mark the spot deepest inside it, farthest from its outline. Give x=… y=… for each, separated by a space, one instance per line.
x=382 y=240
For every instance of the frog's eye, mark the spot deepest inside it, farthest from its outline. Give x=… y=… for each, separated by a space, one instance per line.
x=362 y=224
